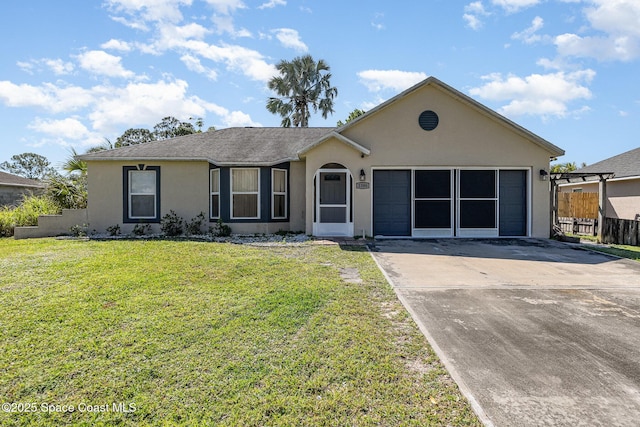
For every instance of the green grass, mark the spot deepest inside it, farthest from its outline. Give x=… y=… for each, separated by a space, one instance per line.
x=624 y=251
x=197 y=333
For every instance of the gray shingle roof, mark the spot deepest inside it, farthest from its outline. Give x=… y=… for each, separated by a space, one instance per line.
x=623 y=165
x=18 y=181
x=231 y=146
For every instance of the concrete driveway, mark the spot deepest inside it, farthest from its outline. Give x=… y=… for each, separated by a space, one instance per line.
x=535 y=332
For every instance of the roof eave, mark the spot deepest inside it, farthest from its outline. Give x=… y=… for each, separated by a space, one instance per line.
x=14 y=184
x=339 y=137
x=193 y=159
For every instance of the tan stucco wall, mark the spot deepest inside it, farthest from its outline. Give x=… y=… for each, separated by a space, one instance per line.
x=54 y=225
x=179 y=190
x=464 y=137
x=623 y=196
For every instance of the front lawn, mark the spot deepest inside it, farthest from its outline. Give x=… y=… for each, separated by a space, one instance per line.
x=623 y=251
x=191 y=333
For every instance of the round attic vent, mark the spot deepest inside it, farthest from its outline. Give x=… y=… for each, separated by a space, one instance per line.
x=428 y=120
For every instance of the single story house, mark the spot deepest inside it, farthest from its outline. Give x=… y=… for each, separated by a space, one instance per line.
x=13 y=188
x=623 y=190
x=430 y=162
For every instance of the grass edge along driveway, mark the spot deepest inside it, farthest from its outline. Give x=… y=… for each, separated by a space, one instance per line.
x=192 y=333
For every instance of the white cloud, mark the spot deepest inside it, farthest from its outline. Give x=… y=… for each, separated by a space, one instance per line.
x=224 y=24
x=238 y=119
x=557 y=63
x=473 y=14
x=537 y=94
x=512 y=6
x=377 y=21
x=136 y=24
x=101 y=63
x=272 y=3
x=226 y=6
x=615 y=16
x=137 y=103
x=621 y=48
x=27 y=67
x=249 y=62
x=237 y=58
x=109 y=109
x=472 y=21
x=379 y=80
x=194 y=64
x=114 y=44
x=58 y=66
x=47 y=96
x=150 y=10
x=145 y=103
x=529 y=35
x=620 y=41
x=69 y=128
x=290 y=38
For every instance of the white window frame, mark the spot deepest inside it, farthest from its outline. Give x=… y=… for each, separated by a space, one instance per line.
x=275 y=193
x=478 y=232
x=214 y=193
x=433 y=232
x=154 y=194
x=233 y=193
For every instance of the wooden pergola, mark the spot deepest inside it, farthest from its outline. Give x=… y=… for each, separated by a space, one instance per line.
x=571 y=177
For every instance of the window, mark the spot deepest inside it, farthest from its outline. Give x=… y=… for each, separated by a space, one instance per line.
x=245 y=194
x=142 y=193
x=432 y=191
x=279 y=193
x=214 y=184
x=478 y=199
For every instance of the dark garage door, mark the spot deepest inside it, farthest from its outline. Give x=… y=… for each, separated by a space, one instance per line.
x=392 y=203
x=513 y=203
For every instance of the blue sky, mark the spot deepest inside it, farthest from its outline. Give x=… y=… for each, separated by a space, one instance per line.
x=75 y=72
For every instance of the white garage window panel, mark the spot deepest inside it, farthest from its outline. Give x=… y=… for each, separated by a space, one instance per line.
x=477 y=203
x=432 y=204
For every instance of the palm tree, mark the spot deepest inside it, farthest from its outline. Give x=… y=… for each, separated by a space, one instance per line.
x=303 y=84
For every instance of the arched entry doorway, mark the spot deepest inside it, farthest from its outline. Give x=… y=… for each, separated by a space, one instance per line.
x=332 y=214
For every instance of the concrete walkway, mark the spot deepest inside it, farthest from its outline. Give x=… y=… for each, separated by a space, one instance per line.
x=536 y=333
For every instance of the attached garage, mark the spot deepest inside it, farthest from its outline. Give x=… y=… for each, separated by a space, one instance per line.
x=451 y=202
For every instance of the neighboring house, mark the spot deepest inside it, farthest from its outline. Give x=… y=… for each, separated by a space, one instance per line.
x=430 y=162
x=623 y=190
x=13 y=188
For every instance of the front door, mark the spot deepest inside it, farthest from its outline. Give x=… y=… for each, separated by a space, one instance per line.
x=332 y=216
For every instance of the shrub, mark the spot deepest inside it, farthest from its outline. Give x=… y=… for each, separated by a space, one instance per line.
x=171 y=224
x=141 y=229
x=68 y=192
x=26 y=214
x=220 y=229
x=194 y=226
x=113 y=230
x=79 y=230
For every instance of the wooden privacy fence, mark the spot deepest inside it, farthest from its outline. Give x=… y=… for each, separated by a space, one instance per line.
x=578 y=205
x=621 y=231
x=578 y=213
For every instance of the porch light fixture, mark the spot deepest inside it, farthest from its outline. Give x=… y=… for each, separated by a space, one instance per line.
x=543 y=175
x=363 y=176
